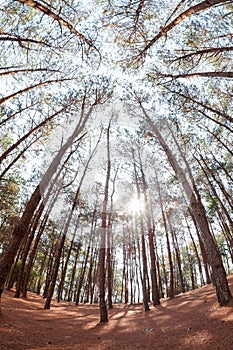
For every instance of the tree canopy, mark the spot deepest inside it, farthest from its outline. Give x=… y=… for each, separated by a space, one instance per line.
x=116 y=148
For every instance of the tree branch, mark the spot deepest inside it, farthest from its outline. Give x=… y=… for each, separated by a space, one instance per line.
x=58 y=18
x=202 y=6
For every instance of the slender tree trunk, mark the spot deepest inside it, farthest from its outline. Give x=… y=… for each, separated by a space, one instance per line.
x=82 y=274
x=109 y=261
x=102 y=252
x=71 y=285
x=44 y=221
x=123 y=271
x=164 y=273
x=64 y=233
x=145 y=271
x=203 y=250
x=217 y=180
x=41 y=272
x=36 y=243
x=155 y=290
x=196 y=253
x=55 y=271
x=160 y=286
x=110 y=247
x=126 y=276
x=95 y=276
x=64 y=270
x=144 y=276
x=27 y=249
x=171 y=282
x=178 y=259
x=89 y=276
x=49 y=267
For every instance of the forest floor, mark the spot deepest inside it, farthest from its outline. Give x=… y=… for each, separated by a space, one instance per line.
x=190 y=321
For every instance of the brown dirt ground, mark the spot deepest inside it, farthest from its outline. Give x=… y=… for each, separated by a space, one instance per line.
x=191 y=321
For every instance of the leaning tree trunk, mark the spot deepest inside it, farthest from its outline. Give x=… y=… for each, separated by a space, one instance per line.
x=44 y=221
x=21 y=228
x=198 y=210
x=67 y=225
x=35 y=246
x=26 y=252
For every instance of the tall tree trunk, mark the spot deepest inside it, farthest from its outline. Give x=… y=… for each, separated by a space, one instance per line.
x=64 y=233
x=82 y=273
x=27 y=249
x=55 y=271
x=64 y=270
x=191 y=266
x=143 y=244
x=155 y=290
x=169 y=254
x=44 y=221
x=102 y=252
x=178 y=258
x=203 y=250
x=41 y=271
x=89 y=276
x=126 y=276
x=109 y=260
x=21 y=228
x=110 y=246
x=95 y=276
x=198 y=210
x=11 y=277
x=36 y=243
x=74 y=267
x=164 y=273
x=196 y=253
x=144 y=271
x=49 y=266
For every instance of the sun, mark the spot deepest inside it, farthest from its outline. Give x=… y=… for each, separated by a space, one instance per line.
x=136 y=205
